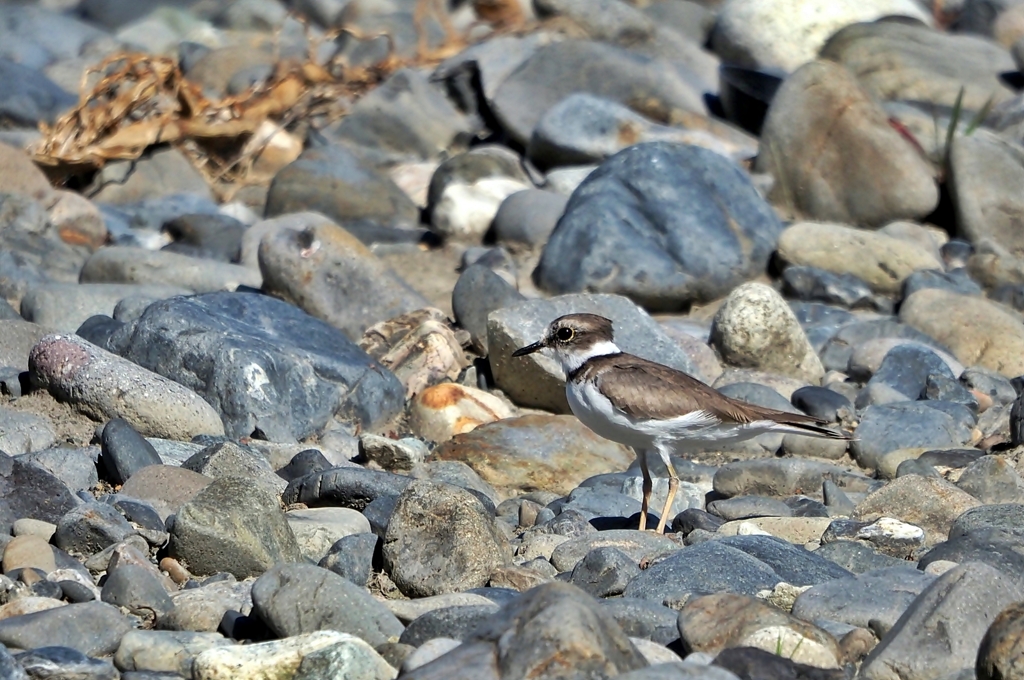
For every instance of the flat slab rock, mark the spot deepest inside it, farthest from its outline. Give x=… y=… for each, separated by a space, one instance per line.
x=265 y=365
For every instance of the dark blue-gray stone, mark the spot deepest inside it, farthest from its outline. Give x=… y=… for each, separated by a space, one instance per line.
x=744 y=507
x=882 y=594
x=812 y=284
x=451 y=622
x=91 y=527
x=352 y=557
x=998 y=547
x=345 y=487
x=123 y=451
x=1009 y=516
x=92 y=628
x=215 y=237
x=65 y=663
x=943 y=388
x=136 y=589
x=27 y=97
x=857 y=557
x=822 y=402
x=378 y=513
x=604 y=572
x=702 y=569
x=835 y=354
x=956 y=281
x=694 y=518
x=644 y=619
x=794 y=564
x=902 y=425
x=29 y=491
x=664 y=224
x=906 y=368
x=268 y=368
x=304 y=463
x=478 y=292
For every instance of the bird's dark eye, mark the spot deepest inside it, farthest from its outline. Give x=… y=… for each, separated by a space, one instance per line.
x=565 y=334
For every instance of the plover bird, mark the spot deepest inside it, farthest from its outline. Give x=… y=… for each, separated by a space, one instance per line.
x=651 y=407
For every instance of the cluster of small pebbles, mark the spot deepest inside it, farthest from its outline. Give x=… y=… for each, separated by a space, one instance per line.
x=280 y=434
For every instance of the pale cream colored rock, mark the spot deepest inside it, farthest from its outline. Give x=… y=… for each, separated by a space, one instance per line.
x=798 y=530
x=440 y=412
x=882 y=261
x=317 y=529
x=536 y=545
x=790 y=644
x=756 y=328
x=35 y=527
x=978 y=332
x=77 y=219
x=282 y=658
x=653 y=652
x=28 y=605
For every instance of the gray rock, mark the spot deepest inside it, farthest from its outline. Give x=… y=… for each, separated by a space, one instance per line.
x=233 y=526
x=317 y=530
x=562 y=68
x=106 y=386
x=92 y=628
x=743 y=507
x=129 y=265
x=554 y=625
x=348 y=487
x=940 y=632
x=307 y=371
x=76 y=468
x=887 y=535
x=30 y=491
x=22 y=432
x=983 y=169
x=65 y=306
x=584 y=129
x=708 y=567
x=211 y=236
x=992 y=480
x=823 y=403
x=907 y=425
x=997 y=547
x=91 y=527
x=857 y=557
x=352 y=557
x=478 y=292
x=882 y=594
x=906 y=369
x=403 y=118
x=784 y=477
x=644 y=619
x=1002 y=516
x=450 y=622
x=793 y=564
x=228 y=459
x=528 y=217
x=202 y=609
x=818 y=285
x=604 y=572
x=956 y=281
x=29 y=97
x=332 y=180
x=327 y=272
x=124 y=451
x=138 y=590
x=537 y=380
x=441 y=539
x=625 y=229
x=65 y=662
x=293 y=599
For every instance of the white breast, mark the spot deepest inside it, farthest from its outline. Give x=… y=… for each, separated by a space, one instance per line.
x=596 y=412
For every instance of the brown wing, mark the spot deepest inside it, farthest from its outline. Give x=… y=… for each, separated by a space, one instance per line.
x=647 y=390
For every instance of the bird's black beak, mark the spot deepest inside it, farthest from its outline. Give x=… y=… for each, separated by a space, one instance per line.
x=529 y=349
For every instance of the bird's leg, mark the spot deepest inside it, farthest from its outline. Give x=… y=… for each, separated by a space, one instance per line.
x=673 y=485
x=648 y=486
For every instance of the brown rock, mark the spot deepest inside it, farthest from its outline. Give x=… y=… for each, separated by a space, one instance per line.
x=978 y=331
x=166 y=487
x=535 y=452
x=712 y=623
x=516 y=578
x=1001 y=655
x=28 y=552
x=931 y=503
x=835 y=156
